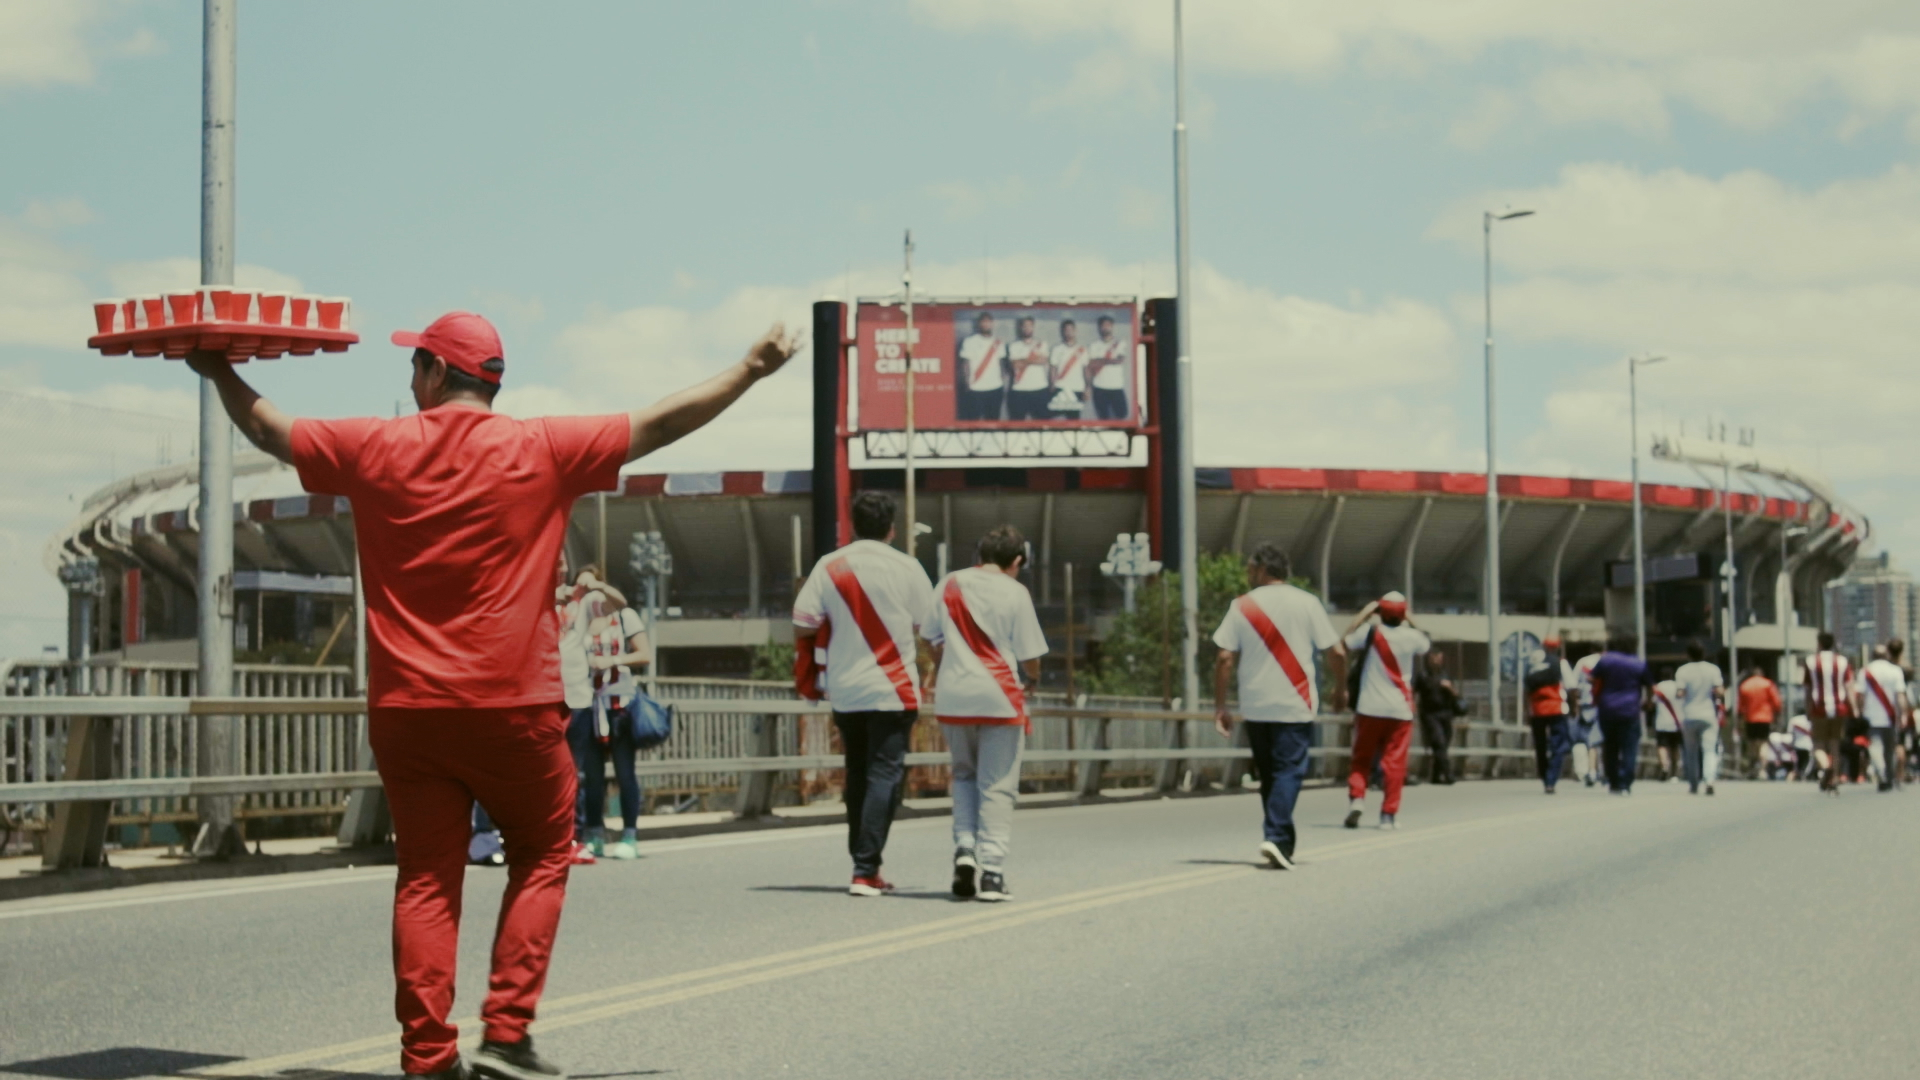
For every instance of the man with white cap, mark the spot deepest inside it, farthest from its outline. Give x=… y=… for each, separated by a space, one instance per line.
x=1385 y=656
x=459 y=515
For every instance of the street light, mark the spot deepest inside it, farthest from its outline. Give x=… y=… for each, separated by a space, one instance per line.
x=1487 y=218
x=1131 y=560
x=1634 y=364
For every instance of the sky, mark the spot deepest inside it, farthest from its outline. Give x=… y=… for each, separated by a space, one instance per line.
x=634 y=191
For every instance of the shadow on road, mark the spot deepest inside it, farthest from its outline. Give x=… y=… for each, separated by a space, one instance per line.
x=118 y=1063
x=841 y=890
x=1221 y=862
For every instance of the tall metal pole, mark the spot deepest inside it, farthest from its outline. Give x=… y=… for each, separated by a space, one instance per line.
x=906 y=280
x=1183 y=259
x=1492 y=572
x=1731 y=574
x=1639 y=541
x=215 y=587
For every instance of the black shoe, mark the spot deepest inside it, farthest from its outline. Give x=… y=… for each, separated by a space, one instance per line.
x=457 y=1071
x=1709 y=789
x=964 y=869
x=1353 y=818
x=993 y=887
x=514 y=1061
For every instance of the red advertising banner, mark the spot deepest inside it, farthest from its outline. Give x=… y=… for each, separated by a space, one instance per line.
x=982 y=366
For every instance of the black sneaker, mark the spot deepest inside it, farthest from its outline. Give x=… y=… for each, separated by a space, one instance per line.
x=457 y=1071
x=993 y=887
x=1353 y=814
x=514 y=1061
x=964 y=869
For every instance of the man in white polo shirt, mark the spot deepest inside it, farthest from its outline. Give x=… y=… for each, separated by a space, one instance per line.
x=1703 y=695
x=1271 y=634
x=1068 y=370
x=1383 y=641
x=874 y=599
x=1881 y=697
x=984 y=631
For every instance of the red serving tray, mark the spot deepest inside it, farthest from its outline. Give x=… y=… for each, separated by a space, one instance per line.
x=241 y=341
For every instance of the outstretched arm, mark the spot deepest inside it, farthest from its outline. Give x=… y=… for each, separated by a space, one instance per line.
x=262 y=422
x=681 y=414
x=1361 y=618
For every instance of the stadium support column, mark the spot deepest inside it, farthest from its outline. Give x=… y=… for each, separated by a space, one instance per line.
x=219 y=833
x=829 y=425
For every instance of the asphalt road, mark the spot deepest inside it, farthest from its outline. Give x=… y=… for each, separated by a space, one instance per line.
x=1764 y=932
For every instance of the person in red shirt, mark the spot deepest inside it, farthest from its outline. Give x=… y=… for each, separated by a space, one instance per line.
x=459 y=514
x=1759 y=704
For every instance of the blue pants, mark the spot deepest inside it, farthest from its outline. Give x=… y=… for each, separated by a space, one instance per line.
x=1622 y=750
x=590 y=764
x=875 y=743
x=1550 y=745
x=1280 y=761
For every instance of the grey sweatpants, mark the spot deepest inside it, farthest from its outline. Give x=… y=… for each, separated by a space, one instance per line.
x=986 y=782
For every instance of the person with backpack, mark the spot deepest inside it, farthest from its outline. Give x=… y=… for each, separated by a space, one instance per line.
x=984 y=632
x=1622 y=689
x=1547 y=710
x=863 y=606
x=1703 y=699
x=1386 y=649
x=1270 y=634
x=616 y=644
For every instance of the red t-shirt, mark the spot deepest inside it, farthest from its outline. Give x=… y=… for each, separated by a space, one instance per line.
x=459 y=514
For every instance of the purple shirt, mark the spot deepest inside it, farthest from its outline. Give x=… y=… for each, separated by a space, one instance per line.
x=1617 y=679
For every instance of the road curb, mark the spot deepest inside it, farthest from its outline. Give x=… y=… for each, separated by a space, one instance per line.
x=57 y=882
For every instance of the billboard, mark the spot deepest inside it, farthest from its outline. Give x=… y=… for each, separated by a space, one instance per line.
x=982 y=365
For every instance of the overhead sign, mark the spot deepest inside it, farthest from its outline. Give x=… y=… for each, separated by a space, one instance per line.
x=998 y=365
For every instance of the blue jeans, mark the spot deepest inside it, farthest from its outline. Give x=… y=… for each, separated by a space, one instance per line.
x=1280 y=761
x=875 y=743
x=1550 y=745
x=1622 y=750
x=590 y=764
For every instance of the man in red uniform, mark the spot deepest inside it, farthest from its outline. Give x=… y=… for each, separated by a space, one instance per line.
x=459 y=513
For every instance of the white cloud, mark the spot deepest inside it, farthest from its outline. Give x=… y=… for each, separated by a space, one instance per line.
x=43 y=44
x=1746 y=62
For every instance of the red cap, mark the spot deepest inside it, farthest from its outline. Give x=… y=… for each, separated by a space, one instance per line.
x=1551 y=643
x=461 y=338
x=1392 y=606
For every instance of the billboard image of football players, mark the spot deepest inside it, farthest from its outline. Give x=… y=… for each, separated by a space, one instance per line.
x=1109 y=360
x=1068 y=367
x=1031 y=361
x=981 y=389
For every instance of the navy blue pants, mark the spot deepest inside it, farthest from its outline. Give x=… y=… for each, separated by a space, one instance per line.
x=1551 y=741
x=875 y=743
x=1621 y=750
x=590 y=757
x=1280 y=761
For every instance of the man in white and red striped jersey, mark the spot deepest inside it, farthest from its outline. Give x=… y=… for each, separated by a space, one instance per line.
x=983 y=632
x=874 y=598
x=1271 y=634
x=1828 y=683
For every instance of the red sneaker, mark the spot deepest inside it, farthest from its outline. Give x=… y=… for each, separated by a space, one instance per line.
x=873 y=885
x=582 y=855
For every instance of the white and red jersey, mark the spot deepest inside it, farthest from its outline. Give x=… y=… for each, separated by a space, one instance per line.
x=1388 y=663
x=1583 y=682
x=609 y=636
x=1031 y=364
x=985 y=622
x=1666 y=706
x=1110 y=359
x=576 y=678
x=1276 y=629
x=1802 y=730
x=980 y=356
x=875 y=599
x=1829 y=680
x=1883 y=686
x=1069 y=368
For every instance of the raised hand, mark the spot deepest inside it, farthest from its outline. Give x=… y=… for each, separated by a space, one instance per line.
x=773 y=350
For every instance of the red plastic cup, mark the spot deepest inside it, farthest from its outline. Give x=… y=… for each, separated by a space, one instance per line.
x=242 y=309
x=105 y=314
x=129 y=312
x=333 y=312
x=155 y=309
x=300 y=311
x=219 y=303
x=273 y=308
x=183 y=308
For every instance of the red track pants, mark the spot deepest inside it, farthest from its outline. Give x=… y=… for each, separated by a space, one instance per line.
x=435 y=763
x=1388 y=740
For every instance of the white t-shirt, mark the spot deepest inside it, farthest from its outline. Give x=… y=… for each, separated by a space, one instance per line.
x=1035 y=376
x=1802 y=731
x=1070 y=368
x=615 y=687
x=1111 y=376
x=899 y=597
x=1666 y=705
x=576 y=678
x=980 y=355
x=1267 y=691
x=1698 y=680
x=1893 y=682
x=1583 y=678
x=1380 y=695
x=971 y=689
x=1829 y=677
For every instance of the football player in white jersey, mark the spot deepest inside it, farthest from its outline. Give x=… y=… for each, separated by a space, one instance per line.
x=1880 y=696
x=1109 y=359
x=1068 y=369
x=981 y=386
x=1031 y=365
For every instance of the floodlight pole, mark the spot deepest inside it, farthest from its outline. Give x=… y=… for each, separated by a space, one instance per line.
x=1731 y=573
x=1634 y=364
x=906 y=279
x=215 y=586
x=1492 y=590
x=1183 y=330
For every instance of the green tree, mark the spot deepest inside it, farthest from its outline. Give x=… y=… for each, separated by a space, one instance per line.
x=774 y=660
